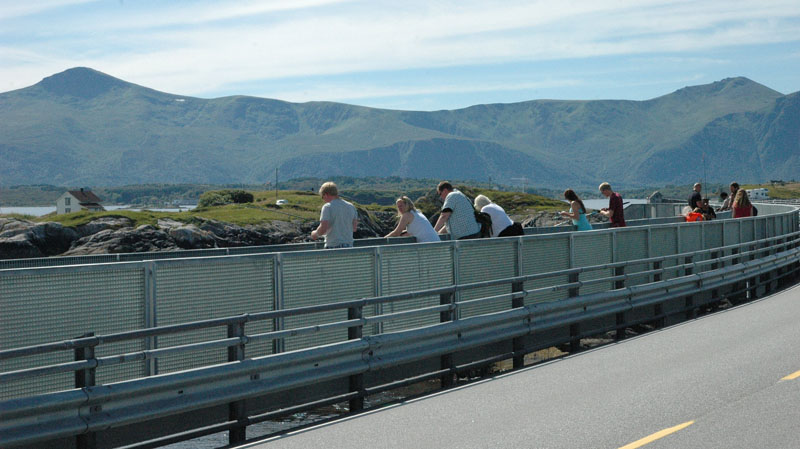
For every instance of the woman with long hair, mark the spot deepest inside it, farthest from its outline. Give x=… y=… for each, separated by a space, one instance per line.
x=412 y=222
x=741 y=205
x=577 y=211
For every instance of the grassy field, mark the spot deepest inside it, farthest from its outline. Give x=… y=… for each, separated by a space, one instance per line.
x=301 y=205
x=778 y=192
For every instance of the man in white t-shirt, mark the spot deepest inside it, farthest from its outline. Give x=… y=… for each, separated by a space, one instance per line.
x=338 y=219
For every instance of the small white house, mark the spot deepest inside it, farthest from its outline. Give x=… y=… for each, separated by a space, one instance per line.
x=76 y=200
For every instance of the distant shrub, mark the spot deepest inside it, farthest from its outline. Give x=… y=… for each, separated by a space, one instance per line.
x=222 y=197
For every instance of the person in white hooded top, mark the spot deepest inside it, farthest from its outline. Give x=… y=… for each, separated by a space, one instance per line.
x=502 y=226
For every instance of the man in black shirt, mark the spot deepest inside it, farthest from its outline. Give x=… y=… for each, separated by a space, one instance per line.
x=696 y=200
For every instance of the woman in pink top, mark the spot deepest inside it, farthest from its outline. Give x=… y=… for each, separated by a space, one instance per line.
x=741 y=205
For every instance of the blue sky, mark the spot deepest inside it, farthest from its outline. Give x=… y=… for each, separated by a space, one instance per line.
x=414 y=55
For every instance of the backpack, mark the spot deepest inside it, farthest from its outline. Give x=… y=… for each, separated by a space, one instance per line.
x=755 y=211
x=485 y=220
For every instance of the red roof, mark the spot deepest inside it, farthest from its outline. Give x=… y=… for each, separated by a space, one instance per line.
x=85 y=196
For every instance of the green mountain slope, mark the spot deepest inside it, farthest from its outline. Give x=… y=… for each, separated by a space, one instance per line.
x=82 y=127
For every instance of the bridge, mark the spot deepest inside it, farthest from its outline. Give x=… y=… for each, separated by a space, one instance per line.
x=148 y=352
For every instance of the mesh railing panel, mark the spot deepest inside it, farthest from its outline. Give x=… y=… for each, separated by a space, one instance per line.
x=713 y=234
x=321 y=277
x=760 y=229
x=54 y=304
x=731 y=231
x=593 y=249
x=631 y=245
x=748 y=230
x=56 y=261
x=484 y=260
x=542 y=255
x=691 y=237
x=194 y=290
x=409 y=268
x=664 y=242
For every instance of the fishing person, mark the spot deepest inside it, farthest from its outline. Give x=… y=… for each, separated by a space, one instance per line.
x=695 y=198
x=338 y=219
x=615 y=211
x=577 y=211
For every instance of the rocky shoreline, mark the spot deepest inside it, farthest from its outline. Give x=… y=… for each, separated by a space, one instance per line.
x=111 y=235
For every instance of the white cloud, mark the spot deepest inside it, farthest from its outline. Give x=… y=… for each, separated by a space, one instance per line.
x=198 y=50
x=339 y=92
x=10 y=9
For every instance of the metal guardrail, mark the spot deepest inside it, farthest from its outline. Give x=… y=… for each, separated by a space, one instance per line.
x=89 y=408
x=655 y=213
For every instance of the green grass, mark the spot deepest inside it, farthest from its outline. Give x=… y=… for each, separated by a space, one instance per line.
x=521 y=203
x=302 y=205
x=787 y=191
x=138 y=218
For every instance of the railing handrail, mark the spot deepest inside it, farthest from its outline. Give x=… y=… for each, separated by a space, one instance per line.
x=56 y=415
x=94 y=341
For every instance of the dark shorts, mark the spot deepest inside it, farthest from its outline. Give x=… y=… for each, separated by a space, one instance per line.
x=476 y=235
x=514 y=229
x=342 y=245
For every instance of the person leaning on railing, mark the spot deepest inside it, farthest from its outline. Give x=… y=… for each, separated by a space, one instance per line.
x=338 y=219
x=706 y=210
x=502 y=225
x=412 y=222
x=741 y=205
x=458 y=216
x=727 y=203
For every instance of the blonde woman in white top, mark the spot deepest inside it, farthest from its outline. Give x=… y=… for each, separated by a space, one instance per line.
x=412 y=222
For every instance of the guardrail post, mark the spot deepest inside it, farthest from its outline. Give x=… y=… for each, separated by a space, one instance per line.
x=575 y=328
x=620 y=335
x=518 y=343
x=658 y=311
x=658 y=276
x=620 y=316
x=688 y=270
x=620 y=283
x=356 y=380
x=573 y=278
x=86 y=378
x=447 y=359
x=237 y=410
x=574 y=338
x=691 y=312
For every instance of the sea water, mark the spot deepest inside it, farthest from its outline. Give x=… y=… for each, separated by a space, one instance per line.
x=38 y=211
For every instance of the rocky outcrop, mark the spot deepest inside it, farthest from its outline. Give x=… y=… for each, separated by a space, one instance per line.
x=24 y=239
x=126 y=240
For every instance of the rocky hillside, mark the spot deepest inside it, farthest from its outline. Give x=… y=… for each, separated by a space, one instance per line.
x=21 y=239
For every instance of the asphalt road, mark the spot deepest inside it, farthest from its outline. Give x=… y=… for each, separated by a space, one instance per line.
x=724 y=377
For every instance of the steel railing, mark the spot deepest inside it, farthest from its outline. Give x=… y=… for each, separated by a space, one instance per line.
x=91 y=408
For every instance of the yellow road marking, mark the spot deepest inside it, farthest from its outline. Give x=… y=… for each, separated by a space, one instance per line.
x=657 y=435
x=792 y=376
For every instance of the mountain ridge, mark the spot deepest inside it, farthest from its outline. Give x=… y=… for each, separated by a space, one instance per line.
x=83 y=127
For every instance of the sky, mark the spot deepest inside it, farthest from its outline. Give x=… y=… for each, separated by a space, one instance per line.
x=411 y=55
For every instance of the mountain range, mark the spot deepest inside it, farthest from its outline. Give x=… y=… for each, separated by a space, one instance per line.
x=83 y=127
